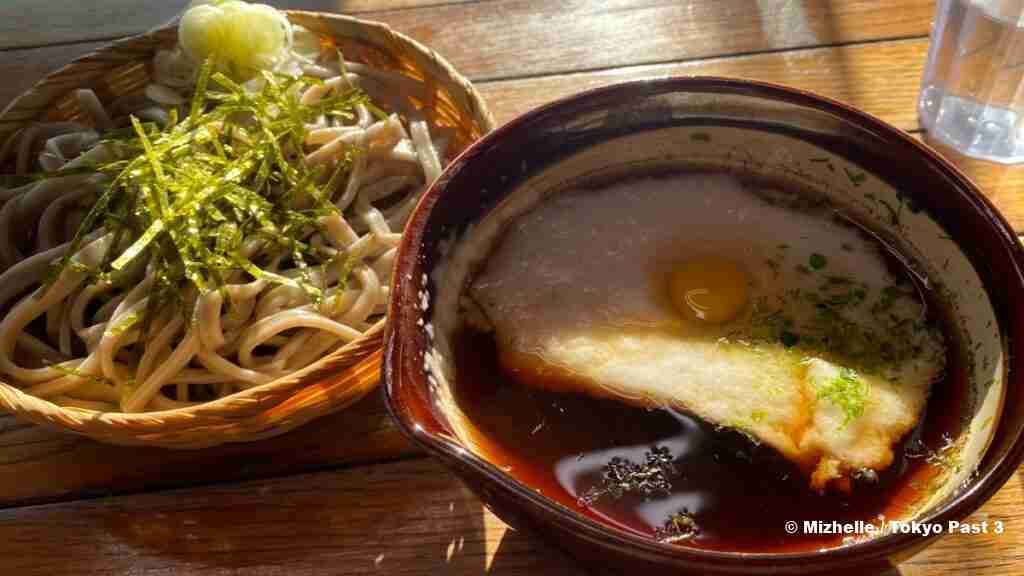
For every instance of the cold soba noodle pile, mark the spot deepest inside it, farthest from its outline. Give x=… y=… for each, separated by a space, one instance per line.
x=231 y=227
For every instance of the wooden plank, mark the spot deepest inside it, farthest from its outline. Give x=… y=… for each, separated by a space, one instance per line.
x=848 y=73
x=25 y=23
x=515 y=38
x=409 y=518
x=41 y=465
x=518 y=38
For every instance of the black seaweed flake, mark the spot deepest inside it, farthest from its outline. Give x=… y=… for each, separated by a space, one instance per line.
x=621 y=477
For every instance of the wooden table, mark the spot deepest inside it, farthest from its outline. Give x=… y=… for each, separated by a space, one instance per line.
x=349 y=494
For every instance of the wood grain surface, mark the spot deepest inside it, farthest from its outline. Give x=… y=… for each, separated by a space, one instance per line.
x=517 y=38
x=348 y=494
x=845 y=73
x=409 y=518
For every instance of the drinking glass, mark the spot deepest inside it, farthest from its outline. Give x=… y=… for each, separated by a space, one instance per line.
x=972 y=94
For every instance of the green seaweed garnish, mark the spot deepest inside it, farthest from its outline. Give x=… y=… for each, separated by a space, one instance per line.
x=186 y=197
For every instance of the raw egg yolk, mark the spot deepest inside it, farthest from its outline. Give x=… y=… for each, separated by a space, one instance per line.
x=708 y=289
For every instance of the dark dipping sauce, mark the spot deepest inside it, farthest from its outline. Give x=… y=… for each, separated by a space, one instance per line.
x=740 y=495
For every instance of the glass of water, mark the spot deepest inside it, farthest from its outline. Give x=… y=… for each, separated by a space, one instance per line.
x=972 y=94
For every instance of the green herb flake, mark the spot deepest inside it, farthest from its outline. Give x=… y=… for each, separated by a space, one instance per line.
x=817 y=261
x=856 y=178
x=700 y=137
x=848 y=391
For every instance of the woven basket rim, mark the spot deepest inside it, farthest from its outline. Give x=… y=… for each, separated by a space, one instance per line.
x=108 y=426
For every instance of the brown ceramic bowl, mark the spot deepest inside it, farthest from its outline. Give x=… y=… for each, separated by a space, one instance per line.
x=866 y=165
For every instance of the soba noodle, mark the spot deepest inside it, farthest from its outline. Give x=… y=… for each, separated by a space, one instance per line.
x=102 y=330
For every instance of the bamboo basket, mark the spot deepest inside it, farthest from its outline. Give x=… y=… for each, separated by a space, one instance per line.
x=334 y=382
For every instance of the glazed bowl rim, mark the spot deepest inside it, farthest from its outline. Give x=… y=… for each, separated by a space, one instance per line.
x=981 y=487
